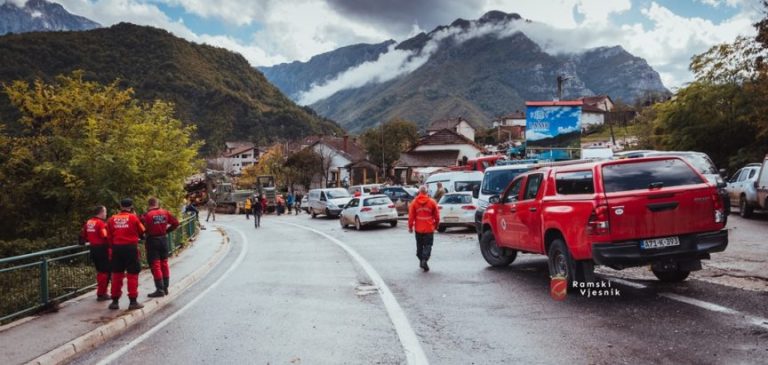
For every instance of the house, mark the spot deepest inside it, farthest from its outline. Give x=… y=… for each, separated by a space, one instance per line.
x=458 y=125
x=595 y=109
x=433 y=152
x=230 y=147
x=344 y=162
x=602 y=102
x=235 y=157
x=516 y=119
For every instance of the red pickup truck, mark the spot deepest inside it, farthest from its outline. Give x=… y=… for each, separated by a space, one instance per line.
x=658 y=211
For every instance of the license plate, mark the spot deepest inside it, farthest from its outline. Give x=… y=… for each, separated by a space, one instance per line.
x=382 y=216
x=451 y=219
x=660 y=242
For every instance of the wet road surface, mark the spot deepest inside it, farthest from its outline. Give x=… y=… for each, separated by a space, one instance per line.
x=289 y=295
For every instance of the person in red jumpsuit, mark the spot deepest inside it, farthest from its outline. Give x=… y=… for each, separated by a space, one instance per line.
x=159 y=222
x=94 y=233
x=125 y=230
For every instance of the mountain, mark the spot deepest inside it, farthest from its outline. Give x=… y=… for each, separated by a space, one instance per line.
x=477 y=69
x=40 y=16
x=292 y=78
x=213 y=88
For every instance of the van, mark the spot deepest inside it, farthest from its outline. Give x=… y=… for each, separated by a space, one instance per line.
x=495 y=180
x=762 y=185
x=329 y=202
x=455 y=181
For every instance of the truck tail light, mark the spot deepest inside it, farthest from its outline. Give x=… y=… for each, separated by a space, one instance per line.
x=717 y=203
x=390 y=206
x=439 y=207
x=598 y=221
x=468 y=207
x=365 y=210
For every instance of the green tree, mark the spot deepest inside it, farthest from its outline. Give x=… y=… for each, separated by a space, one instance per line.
x=303 y=167
x=84 y=144
x=385 y=142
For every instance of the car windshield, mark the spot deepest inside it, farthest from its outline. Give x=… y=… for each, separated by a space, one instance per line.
x=700 y=162
x=336 y=193
x=466 y=186
x=412 y=191
x=456 y=199
x=496 y=181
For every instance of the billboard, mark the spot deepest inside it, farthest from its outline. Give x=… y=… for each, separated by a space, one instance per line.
x=553 y=130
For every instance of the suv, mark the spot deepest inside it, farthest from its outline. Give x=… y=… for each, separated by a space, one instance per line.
x=742 y=189
x=623 y=213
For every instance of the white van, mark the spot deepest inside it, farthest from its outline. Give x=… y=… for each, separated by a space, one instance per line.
x=329 y=202
x=762 y=185
x=495 y=180
x=455 y=181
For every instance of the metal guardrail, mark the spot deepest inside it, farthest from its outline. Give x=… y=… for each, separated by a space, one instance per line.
x=39 y=280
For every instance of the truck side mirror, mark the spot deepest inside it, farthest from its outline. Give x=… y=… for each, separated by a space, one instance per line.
x=494 y=199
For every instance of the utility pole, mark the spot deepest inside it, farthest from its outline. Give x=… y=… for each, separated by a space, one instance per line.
x=383 y=165
x=560 y=81
x=610 y=124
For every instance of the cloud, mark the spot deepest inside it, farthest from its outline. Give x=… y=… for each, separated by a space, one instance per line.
x=18 y=3
x=564 y=130
x=532 y=135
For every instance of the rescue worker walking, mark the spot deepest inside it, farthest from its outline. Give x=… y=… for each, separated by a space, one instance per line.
x=125 y=230
x=424 y=217
x=247 y=207
x=94 y=233
x=159 y=222
x=257 y=211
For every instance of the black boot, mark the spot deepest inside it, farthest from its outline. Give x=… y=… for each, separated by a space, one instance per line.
x=166 y=281
x=114 y=304
x=159 y=291
x=135 y=305
x=423 y=265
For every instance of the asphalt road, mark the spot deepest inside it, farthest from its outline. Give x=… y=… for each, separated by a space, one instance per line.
x=290 y=295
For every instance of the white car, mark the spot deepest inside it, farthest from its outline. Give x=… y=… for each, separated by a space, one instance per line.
x=456 y=210
x=367 y=210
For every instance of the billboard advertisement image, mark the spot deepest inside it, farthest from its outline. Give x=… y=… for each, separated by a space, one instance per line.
x=553 y=130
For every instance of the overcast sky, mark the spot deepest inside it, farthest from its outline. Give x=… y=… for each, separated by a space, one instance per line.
x=664 y=32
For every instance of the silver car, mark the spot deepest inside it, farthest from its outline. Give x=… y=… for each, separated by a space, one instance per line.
x=742 y=191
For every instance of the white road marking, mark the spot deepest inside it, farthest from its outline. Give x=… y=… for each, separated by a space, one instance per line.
x=755 y=321
x=115 y=355
x=414 y=354
x=752 y=320
x=627 y=283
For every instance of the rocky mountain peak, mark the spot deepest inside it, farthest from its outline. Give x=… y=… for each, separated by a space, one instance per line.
x=40 y=15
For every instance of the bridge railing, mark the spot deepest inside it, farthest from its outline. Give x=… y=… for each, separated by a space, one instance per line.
x=39 y=280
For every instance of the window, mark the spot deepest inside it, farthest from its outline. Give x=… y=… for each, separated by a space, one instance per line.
x=336 y=193
x=456 y=199
x=532 y=186
x=752 y=173
x=469 y=186
x=372 y=202
x=513 y=192
x=579 y=182
x=494 y=182
x=353 y=203
x=646 y=175
x=735 y=176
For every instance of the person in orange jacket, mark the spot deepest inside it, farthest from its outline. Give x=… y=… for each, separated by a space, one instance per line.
x=94 y=233
x=423 y=216
x=125 y=230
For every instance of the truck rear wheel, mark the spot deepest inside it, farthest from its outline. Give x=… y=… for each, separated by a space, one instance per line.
x=745 y=211
x=562 y=264
x=671 y=276
x=493 y=254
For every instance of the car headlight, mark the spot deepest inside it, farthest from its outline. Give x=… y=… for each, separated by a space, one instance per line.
x=331 y=205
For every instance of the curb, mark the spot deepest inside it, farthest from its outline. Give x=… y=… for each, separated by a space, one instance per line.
x=118 y=325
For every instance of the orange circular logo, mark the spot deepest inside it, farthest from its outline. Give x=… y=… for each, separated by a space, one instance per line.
x=558 y=288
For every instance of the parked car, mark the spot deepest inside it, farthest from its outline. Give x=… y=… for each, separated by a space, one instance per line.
x=700 y=162
x=368 y=210
x=742 y=189
x=456 y=210
x=495 y=180
x=455 y=181
x=762 y=185
x=622 y=213
x=329 y=202
x=363 y=189
x=401 y=196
